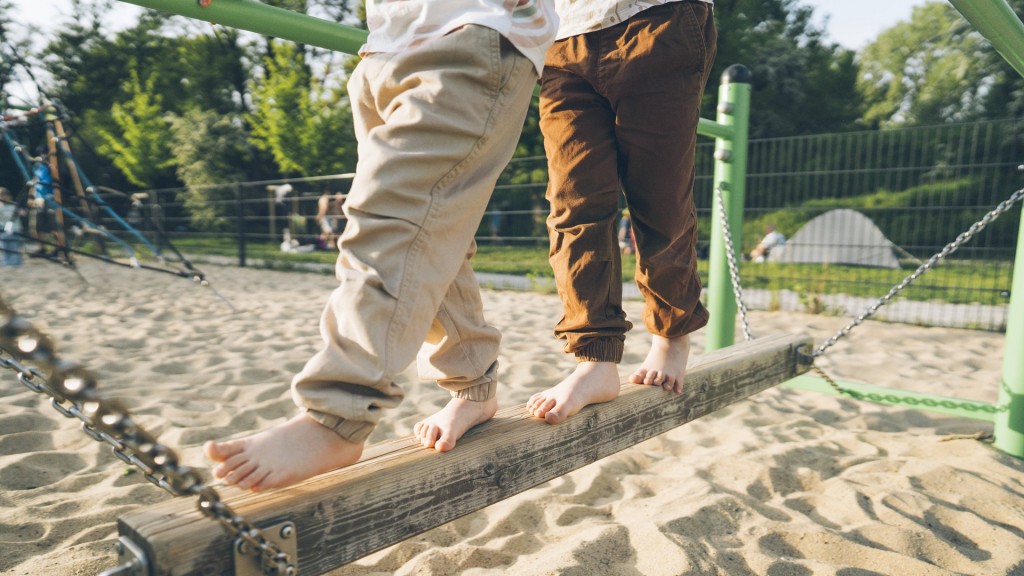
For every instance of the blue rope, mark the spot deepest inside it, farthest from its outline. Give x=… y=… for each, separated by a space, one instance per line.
x=14 y=146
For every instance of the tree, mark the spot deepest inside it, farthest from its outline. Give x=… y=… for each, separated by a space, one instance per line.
x=187 y=66
x=211 y=71
x=82 y=61
x=13 y=44
x=15 y=52
x=931 y=69
x=306 y=129
x=1006 y=94
x=140 y=148
x=210 y=148
x=801 y=83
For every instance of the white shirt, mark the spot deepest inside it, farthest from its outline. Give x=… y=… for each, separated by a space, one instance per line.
x=582 y=16
x=773 y=239
x=398 y=25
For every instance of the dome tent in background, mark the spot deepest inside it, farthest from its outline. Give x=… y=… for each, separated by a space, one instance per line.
x=840 y=236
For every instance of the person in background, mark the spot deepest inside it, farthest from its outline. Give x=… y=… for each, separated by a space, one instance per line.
x=330 y=215
x=619 y=105
x=627 y=244
x=772 y=239
x=11 y=229
x=439 y=99
x=46 y=227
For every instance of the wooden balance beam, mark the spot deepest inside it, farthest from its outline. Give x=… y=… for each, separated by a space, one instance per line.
x=399 y=489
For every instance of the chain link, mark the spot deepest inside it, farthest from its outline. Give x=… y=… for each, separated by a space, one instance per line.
x=73 y=393
x=960 y=240
x=953 y=246
x=734 y=269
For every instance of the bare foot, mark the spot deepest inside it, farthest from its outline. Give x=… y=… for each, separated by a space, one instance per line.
x=444 y=428
x=665 y=365
x=286 y=454
x=589 y=383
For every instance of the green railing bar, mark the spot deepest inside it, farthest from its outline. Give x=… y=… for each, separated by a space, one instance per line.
x=894 y=397
x=1009 y=424
x=999 y=24
x=267 y=20
x=713 y=129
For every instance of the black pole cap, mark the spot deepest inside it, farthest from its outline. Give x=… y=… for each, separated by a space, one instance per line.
x=737 y=74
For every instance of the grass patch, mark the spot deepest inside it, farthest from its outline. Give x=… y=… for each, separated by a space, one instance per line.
x=954 y=281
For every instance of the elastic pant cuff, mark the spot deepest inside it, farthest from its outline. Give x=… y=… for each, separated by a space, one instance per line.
x=350 y=430
x=478 y=389
x=478 y=393
x=604 y=350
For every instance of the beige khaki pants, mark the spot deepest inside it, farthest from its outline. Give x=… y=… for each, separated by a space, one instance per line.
x=436 y=126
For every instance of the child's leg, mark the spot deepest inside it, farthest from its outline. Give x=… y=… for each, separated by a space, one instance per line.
x=461 y=354
x=436 y=126
x=578 y=126
x=590 y=383
x=658 y=140
x=665 y=364
x=286 y=454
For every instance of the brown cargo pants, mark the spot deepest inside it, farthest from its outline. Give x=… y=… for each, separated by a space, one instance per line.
x=618 y=110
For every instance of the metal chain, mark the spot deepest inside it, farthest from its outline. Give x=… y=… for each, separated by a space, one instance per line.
x=960 y=240
x=73 y=392
x=828 y=378
x=734 y=270
x=953 y=246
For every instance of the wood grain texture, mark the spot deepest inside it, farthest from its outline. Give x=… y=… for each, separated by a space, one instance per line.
x=400 y=489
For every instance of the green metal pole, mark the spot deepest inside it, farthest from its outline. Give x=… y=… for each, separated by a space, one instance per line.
x=730 y=178
x=998 y=23
x=711 y=128
x=267 y=20
x=1009 y=422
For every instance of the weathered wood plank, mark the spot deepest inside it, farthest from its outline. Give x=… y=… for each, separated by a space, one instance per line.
x=399 y=489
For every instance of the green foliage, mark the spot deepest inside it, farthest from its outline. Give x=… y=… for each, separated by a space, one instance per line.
x=282 y=109
x=140 y=146
x=801 y=84
x=209 y=149
x=931 y=69
x=307 y=131
x=82 y=62
x=18 y=45
x=213 y=72
x=87 y=65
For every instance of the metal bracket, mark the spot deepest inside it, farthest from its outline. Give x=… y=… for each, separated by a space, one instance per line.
x=283 y=534
x=133 y=560
x=804 y=357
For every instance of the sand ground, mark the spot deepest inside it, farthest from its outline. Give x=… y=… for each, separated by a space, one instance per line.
x=787 y=483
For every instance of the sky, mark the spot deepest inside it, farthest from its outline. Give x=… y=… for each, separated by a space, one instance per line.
x=852 y=23
x=855 y=23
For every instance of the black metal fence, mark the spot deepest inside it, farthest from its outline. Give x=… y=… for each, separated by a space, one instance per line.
x=918 y=188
